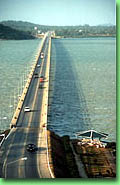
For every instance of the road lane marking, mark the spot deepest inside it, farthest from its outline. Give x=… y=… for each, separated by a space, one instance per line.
x=43 y=160
x=4 y=168
x=35 y=96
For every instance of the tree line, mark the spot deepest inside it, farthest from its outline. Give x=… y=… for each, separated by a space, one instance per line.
x=32 y=29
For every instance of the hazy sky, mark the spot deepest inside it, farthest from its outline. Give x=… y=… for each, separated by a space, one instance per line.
x=59 y=12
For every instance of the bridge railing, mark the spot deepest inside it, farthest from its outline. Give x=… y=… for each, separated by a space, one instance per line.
x=22 y=98
x=44 y=108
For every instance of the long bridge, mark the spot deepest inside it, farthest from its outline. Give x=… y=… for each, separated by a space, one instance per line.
x=24 y=152
x=30 y=127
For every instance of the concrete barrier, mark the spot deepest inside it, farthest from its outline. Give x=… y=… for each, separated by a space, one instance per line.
x=44 y=108
x=22 y=98
x=46 y=104
x=46 y=90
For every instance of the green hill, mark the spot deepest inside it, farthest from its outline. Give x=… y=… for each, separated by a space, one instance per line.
x=9 y=33
x=65 y=31
x=26 y=26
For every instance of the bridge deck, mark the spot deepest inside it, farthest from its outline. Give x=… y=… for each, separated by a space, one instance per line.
x=30 y=128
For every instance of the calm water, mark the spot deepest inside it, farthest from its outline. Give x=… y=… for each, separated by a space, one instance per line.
x=82 y=87
x=16 y=58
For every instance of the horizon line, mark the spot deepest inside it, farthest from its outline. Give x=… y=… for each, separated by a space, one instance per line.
x=86 y=24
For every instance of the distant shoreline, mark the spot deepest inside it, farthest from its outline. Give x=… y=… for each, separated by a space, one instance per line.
x=63 y=37
x=91 y=37
x=25 y=30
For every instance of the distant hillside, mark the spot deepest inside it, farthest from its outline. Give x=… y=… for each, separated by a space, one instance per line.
x=65 y=31
x=9 y=33
x=26 y=26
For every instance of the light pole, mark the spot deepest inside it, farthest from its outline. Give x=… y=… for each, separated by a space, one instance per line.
x=6 y=165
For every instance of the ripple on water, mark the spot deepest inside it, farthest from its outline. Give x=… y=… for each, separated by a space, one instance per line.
x=83 y=86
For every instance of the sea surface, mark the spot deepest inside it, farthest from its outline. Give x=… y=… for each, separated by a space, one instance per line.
x=82 y=83
x=83 y=86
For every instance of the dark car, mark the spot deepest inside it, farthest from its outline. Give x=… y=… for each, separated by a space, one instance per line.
x=36 y=75
x=31 y=147
x=42 y=76
x=40 y=86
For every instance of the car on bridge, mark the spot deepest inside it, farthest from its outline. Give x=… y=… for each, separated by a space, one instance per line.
x=36 y=75
x=41 y=78
x=27 y=109
x=40 y=86
x=38 y=65
x=31 y=147
x=42 y=55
